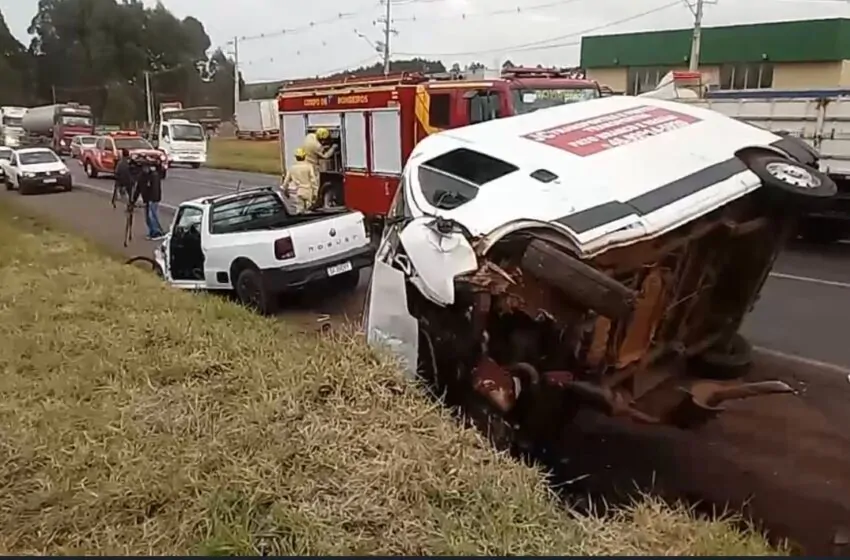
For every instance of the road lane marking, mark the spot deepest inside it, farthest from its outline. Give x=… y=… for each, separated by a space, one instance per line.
x=802 y=360
x=810 y=280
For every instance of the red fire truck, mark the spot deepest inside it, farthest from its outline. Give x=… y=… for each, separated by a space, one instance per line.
x=377 y=121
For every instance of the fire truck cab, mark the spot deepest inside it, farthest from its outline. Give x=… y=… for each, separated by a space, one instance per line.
x=377 y=121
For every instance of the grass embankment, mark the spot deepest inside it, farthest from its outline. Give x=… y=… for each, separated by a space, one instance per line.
x=137 y=419
x=258 y=156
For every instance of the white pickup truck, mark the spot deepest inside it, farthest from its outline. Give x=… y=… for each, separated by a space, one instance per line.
x=252 y=242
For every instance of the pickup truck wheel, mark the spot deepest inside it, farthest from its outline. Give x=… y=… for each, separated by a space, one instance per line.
x=795 y=182
x=90 y=170
x=252 y=293
x=729 y=359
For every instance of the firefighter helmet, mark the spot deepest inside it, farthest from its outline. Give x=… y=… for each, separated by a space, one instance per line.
x=322 y=133
x=300 y=154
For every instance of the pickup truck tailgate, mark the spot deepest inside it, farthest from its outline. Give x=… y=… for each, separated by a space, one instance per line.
x=328 y=237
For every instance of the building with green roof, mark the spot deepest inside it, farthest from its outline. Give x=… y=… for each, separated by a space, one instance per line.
x=787 y=55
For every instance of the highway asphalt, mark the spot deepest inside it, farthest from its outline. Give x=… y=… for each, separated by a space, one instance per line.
x=803 y=310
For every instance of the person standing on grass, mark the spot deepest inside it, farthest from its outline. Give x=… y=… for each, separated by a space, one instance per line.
x=149 y=187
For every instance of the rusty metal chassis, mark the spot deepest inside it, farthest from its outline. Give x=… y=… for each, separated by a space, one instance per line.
x=528 y=340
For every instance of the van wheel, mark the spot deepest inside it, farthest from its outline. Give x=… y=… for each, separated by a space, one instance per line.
x=795 y=182
x=252 y=294
x=90 y=170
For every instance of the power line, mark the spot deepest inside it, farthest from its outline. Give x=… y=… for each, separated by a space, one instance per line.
x=519 y=10
x=543 y=44
x=341 y=16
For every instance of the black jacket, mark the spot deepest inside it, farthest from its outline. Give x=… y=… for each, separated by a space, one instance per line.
x=123 y=173
x=149 y=187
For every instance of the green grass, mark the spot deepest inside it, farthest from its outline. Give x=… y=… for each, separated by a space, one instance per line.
x=259 y=156
x=137 y=419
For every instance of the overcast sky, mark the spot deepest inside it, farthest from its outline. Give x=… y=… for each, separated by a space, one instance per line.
x=451 y=30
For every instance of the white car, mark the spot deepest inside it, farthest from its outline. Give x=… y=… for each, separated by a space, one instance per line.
x=575 y=256
x=5 y=157
x=35 y=169
x=253 y=243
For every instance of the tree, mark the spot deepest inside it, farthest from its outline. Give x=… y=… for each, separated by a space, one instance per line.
x=97 y=52
x=14 y=68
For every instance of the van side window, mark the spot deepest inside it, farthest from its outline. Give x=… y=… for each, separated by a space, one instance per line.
x=439 y=112
x=454 y=178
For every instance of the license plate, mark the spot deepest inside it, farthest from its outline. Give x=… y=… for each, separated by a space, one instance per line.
x=339 y=268
x=49 y=181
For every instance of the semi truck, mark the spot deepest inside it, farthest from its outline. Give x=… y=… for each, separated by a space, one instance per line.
x=257 y=118
x=56 y=125
x=820 y=117
x=11 y=127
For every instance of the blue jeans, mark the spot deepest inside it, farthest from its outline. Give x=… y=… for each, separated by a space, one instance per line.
x=152 y=219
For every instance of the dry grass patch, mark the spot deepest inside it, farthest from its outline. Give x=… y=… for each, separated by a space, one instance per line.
x=259 y=156
x=136 y=419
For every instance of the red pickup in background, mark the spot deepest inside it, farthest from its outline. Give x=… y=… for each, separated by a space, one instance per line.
x=101 y=158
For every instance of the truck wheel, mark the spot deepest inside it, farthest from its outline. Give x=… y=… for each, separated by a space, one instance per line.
x=69 y=187
x=729 y=359
x=90 y=170
x=196 y=165
x=795 y=182
x=252 y=294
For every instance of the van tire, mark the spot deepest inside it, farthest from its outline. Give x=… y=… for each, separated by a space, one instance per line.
x=253 y=294
x=792 y=181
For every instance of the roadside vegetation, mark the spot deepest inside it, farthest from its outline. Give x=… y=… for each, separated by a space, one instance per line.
x=140 y=420
x=258 y=156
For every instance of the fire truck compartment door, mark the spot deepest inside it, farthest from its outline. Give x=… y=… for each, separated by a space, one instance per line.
x=327 y=120
x=294 y=129
x=354 y=141
x=386 y=142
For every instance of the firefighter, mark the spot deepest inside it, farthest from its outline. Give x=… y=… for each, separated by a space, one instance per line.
x=318 y=147
x=301 y=183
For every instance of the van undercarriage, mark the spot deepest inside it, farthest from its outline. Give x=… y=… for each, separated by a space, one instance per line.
x=535 y=332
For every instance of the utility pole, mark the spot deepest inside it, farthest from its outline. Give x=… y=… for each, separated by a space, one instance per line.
x=235 y=74
x=696 y=40
x=388 y=30
x=149 y=99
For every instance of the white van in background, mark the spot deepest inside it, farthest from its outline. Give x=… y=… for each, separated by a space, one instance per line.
x=183 y=142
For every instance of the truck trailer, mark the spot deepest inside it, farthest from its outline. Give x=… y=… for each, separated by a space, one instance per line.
x=257 y=118
x=56 y=125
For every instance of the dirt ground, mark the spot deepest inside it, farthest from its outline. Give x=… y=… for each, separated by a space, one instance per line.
x=782 y=460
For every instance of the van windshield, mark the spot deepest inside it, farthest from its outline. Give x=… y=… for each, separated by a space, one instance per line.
x=187 y=132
